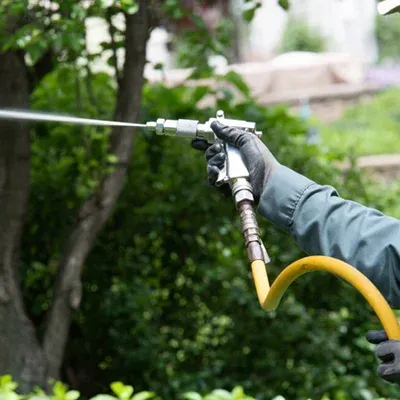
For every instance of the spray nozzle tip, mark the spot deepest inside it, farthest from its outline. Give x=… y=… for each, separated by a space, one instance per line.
x=151 y=125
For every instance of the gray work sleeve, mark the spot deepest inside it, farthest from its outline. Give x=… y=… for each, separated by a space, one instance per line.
x=322 y=223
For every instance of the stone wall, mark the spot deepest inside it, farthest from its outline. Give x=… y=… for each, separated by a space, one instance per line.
x=327 y=103
x=384 y=167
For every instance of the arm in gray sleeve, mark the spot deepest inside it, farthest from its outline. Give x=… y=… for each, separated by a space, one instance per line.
x=322 y=223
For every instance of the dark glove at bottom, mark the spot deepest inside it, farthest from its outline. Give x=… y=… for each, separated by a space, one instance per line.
x=388 y=351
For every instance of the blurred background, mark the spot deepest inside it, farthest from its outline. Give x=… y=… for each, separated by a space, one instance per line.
x=118 y=262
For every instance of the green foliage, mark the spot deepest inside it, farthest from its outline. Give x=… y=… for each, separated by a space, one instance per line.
x=61 y=29
x=77 y=153
x=250 y=8
x=284 y=4
x=125 y=392
x=387 y=34
x=67 y=35
x=122 y=392
x=299 y=36
x=219 y=394
x=60 y=391
x=194 y=46
x=371 y=127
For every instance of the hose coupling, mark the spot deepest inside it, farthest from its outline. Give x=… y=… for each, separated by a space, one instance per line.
x=243 y=194
x=242 y=191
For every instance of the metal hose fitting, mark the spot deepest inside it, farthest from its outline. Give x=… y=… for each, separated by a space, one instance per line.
x=251 y=233
x=243 y=194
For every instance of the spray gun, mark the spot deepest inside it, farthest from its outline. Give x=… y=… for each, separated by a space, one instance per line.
x=234 y=172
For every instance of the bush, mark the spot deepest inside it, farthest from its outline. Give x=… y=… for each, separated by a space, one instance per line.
x=119 y=391
x=298 y=36
x=371 y=127
x=60 y=391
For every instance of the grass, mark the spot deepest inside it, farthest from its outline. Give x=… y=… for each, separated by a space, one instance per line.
x=371 y=127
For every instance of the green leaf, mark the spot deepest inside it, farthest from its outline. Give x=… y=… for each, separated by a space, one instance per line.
x=74 y=41
x=248 y=14
x=9 y=396
x=112 y=159
x=133 y=9
x=7 y=383
x=103 y=397
x=211 y=396
x=238 y=393
x=7 y=388
x=72 y=395
x=129 y=6
x=143 y=395
x=284 y=4
x=192 y=396
x=238 y=82
x=159 y=66
x=59 y=390
x=222 y=394
x=198 y=93
x=122 y=391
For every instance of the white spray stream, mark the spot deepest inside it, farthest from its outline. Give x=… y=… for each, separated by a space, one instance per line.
x=49 y=117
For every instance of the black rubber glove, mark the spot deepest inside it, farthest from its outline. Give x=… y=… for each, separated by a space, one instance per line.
x=388 y=351
x=214 y=163
x=258 y=159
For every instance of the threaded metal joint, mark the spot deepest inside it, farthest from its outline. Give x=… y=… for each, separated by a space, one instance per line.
x=242 y=191
x=251 y=232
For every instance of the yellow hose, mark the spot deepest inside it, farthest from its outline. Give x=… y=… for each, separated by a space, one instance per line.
x=270 y=297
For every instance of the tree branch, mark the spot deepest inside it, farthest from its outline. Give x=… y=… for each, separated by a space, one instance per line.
x=89 y=88
x=19 y=348
x=20 y=352
x=95 y=212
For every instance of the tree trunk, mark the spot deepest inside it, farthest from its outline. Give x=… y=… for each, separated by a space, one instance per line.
x=20 y=353
x=95 y=212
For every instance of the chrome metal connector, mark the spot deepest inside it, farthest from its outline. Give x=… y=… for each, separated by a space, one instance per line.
x=251 y=232
x=242 y=190
x=193 y=129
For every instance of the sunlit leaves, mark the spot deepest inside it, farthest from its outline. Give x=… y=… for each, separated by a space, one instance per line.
x=57 y=26
x=129 y=6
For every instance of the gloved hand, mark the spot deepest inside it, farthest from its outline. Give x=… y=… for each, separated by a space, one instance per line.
x=388 y=351
x=258 y=159
x=214 y=162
